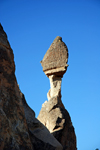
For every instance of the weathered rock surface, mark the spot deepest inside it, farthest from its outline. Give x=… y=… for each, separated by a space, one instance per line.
x=19 y=129
x=57 y=119
x=39 y=134
x=13 y=128
x=55 y=59
x=53 y=113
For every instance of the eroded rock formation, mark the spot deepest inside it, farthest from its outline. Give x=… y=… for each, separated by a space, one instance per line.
x=55 y=59
x=53 y=113
x=19 y=129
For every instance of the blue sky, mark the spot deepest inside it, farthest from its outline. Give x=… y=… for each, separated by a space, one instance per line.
x=31 y=27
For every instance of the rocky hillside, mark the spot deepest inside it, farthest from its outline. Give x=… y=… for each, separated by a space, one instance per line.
x=19 y=129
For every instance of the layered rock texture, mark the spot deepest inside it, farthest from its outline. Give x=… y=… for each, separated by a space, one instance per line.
x=55 y=59
x=19 y=129
x=53 y=113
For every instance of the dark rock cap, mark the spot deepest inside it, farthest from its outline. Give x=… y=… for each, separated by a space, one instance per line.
x=56 y=58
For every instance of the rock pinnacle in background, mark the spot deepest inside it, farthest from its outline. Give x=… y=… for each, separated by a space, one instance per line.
x=53 y=113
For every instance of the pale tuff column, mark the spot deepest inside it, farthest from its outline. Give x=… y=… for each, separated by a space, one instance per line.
x=55 y=84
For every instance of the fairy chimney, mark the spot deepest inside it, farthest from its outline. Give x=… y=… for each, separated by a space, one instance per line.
x=53 y=113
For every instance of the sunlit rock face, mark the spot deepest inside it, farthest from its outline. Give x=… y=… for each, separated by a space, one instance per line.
x=55 y=84
x=53 y=113
x=19 y=129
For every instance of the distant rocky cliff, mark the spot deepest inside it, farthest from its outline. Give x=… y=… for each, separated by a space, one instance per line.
x=19 y=129
x=53 y=113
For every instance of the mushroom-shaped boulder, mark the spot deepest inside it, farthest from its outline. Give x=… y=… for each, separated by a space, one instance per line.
x=55 y=59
